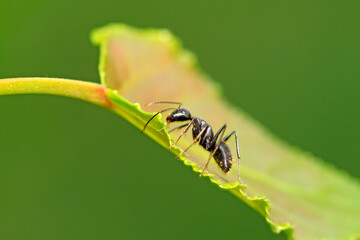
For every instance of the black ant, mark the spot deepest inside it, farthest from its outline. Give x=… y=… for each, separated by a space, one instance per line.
x=203 y=133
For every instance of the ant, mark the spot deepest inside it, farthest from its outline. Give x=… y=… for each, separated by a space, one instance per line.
x=203 y=133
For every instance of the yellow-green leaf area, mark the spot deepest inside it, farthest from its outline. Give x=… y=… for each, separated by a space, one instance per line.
x=294 y=191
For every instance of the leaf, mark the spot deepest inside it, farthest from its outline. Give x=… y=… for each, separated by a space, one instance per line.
x=294 y=191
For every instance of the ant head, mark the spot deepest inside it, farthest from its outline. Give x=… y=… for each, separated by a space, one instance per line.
x=179 y=115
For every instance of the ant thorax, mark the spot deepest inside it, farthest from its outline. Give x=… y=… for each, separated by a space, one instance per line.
x=207 y=136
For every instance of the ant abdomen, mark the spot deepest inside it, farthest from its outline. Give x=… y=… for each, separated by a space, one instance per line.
x=223 y=157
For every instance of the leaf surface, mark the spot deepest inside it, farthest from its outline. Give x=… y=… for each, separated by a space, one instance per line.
x=295 y=191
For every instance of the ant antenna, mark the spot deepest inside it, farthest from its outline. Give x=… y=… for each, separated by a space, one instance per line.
x=167 y=109
x=152 y=103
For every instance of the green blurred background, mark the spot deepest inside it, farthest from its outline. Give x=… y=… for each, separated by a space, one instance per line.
x=71 y=170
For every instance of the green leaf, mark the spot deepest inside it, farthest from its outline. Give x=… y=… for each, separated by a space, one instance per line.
x=294 y=191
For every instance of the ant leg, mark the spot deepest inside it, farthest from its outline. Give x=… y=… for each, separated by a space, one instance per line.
x=221 y=133
x=184 y=151
x=236 y=139
x=206 y=165
x=195 y=141
x=178 y=127
x=237 y=151
x=185 y=130
x=159 y=130
x=164 y=110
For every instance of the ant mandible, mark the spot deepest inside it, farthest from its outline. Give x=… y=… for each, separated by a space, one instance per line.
x=203 y=133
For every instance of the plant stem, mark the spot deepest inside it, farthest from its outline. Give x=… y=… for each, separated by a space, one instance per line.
x=86 y=91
